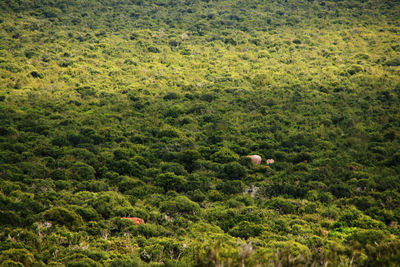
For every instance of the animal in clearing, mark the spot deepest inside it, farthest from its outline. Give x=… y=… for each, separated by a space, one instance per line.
x=255 y=159
x=136 y=220
x=270 y=161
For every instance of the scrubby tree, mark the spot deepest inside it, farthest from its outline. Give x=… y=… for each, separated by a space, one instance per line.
x=63 y=216
x=170 y=181
x=180 y=205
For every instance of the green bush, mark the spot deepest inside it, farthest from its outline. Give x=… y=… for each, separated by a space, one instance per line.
x=63 y=216
x=233 y=171
x=180 y=205
x=150 y=230
x=231 y=187
x=282 y=205
x=370 y=237
x=124 y=261
x=82 y=171
x=224 y=155
x=19 y=257
x=170 y=181
x=246 y=229
x=128 y=183
x=393 y=61
x=173 y=167
x=107 y=203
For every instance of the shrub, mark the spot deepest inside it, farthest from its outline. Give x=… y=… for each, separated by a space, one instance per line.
x=93 y=186
x=82 y=171
x=150 y=230
x=153 y=49
x=393 y=62
x=282 y=205
x=370 y=236
x=214 y=195
x=30 y=53
x=353 y=69
x=87 y=213
x=173 y=167
x=8 y=217
x=188 y=158
x=128 y=183
x=124 y=261
x=63 y=216
x=246 y=229
x=352 y=217
x=170 y=181
x=30 y=239
x=197 y=195
x=231 y=187
x=233 y=171
x=85 y=91
x=34 y=169
x=82 y=262
x=174 y=111
x=224 y=155
x=171 y=96
x=106 y=203
x=168 y=131
x=17 y=256
x=126 y=167
x=180 y=205
x=36 y=74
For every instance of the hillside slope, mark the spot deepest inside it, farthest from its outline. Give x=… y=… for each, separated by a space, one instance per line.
x=112 y=109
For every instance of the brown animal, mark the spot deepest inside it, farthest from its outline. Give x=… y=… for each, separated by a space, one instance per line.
x=136 y=220
x=255 y=159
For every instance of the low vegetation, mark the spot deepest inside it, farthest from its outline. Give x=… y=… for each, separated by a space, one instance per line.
x=148 y=109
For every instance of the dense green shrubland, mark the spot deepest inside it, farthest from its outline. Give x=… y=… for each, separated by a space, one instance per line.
x=147 y=109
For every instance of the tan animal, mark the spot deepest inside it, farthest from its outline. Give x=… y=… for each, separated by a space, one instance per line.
x=255 y=159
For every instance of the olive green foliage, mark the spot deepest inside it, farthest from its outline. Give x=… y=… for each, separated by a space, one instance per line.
x=148 y=108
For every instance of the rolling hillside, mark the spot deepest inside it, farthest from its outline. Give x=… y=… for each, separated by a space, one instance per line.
x=149 y=109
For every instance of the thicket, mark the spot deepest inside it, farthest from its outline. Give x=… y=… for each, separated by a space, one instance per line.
x=132 y=108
